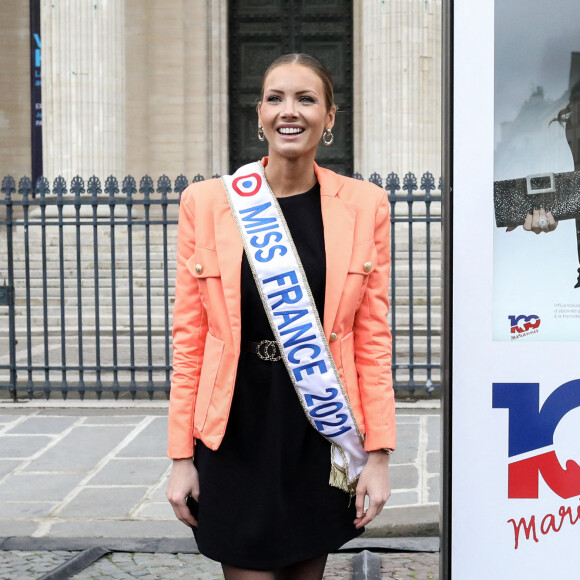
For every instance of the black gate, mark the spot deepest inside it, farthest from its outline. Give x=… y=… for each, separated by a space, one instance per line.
x=87 y=284
x=262 y=30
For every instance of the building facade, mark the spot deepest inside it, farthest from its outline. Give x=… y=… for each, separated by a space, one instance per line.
x=146 y=86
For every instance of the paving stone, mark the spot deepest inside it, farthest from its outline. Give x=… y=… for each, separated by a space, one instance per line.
x=114 y=420
x=38 y=487
x=8 y=465
x=152 y=441
x=24 y=509
x=403 y=498
x=159 y=493
x=15 y=528
x=433 y=433
x=409 y=566
x=407 y=451
x=404 y=476
x=131 y=472
x=12 y=446
x=434 y=487
x=338 y=567
x=4 y=419
x=81 y=449
x=43 y=425
x=18 y=565
x=407 y=419
x=433 y=462
x=97 y=528
x=156 y=510
x=104 y=502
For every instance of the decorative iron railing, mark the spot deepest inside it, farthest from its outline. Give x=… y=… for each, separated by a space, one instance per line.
x=87 y=273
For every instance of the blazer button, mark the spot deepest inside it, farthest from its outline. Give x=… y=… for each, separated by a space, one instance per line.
x=333 y=336
x=198 y=268
x=368 y=266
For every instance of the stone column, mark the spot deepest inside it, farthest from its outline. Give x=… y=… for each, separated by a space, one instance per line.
x=177 y=87
x=217 y=94
x=83 y=88
x=14 y=89
x=398 y=86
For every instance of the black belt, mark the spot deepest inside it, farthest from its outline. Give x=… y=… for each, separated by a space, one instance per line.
x=265 y=349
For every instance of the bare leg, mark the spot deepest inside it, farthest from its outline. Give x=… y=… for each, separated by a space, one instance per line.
x=308 y=570
x=233 y=573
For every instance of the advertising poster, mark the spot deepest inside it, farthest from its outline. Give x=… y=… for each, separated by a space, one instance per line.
x=512 y=495
x=536 y=152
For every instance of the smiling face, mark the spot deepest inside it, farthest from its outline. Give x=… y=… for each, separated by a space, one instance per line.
x=293 y=111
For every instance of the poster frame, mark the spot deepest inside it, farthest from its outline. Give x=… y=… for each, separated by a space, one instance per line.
x=445 y=560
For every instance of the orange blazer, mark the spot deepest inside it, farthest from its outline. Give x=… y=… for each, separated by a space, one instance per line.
x=207 y=319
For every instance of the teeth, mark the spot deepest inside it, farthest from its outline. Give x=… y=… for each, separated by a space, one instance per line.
x=290 y=130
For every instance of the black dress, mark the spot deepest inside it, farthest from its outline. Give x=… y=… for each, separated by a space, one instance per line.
x=265 y=501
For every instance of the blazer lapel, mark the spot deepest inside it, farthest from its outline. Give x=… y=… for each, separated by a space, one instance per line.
x=339 y=220
x=229 y=247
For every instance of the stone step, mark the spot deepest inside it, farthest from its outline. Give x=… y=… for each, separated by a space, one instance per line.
x=53 y=321
x=70 y=277
x=156 y=288
x=70 y=301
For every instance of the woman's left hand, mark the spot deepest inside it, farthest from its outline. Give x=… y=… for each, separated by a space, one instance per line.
x=375 y=483
x=538 y=221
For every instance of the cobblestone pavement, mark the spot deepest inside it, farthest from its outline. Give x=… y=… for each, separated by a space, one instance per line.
x=18 y=565
x=102 y=472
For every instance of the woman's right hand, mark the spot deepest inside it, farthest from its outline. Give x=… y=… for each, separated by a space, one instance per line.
x=183 y=481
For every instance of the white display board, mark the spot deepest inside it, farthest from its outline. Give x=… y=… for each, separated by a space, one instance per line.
x=514 y=491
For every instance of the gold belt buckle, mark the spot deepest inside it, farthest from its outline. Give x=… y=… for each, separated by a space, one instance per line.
x=268 y=350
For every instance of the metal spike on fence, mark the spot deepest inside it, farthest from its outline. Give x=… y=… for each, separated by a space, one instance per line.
x=180 y=184
x=146 y=186
x=164 y=186
x=427 y=183
x=77 y=186
x=129 y=186
x=25 y=187
x=94 y=186
x=42 y=187
x=59 y=187
x=393 y=183
x=111 y=186
x=376 y=179
x=8 y=186
x=410 y=183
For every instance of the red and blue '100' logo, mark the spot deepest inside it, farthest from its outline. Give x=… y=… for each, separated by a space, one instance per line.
x=531 y=431
x=523 y=323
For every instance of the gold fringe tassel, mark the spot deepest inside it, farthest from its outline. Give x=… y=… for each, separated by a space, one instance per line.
x=338 y=478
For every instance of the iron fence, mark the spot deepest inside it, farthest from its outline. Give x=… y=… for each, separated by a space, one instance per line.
x=87 y=274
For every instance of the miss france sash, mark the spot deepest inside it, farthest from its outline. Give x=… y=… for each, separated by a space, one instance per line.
x=294 y=319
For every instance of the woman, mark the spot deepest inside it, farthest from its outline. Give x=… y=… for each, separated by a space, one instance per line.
x=260 y=470
x=541 y=220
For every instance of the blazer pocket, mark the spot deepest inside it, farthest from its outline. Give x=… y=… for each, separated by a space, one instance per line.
x=363 y=261
x=204 y=267
x=203 y=264
x=212 y=356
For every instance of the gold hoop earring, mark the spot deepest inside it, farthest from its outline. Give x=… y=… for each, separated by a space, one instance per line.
x=261 y=135
x=327 y=137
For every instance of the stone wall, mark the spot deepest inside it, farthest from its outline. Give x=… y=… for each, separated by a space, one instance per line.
x=14 y=89
x=166 y=100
